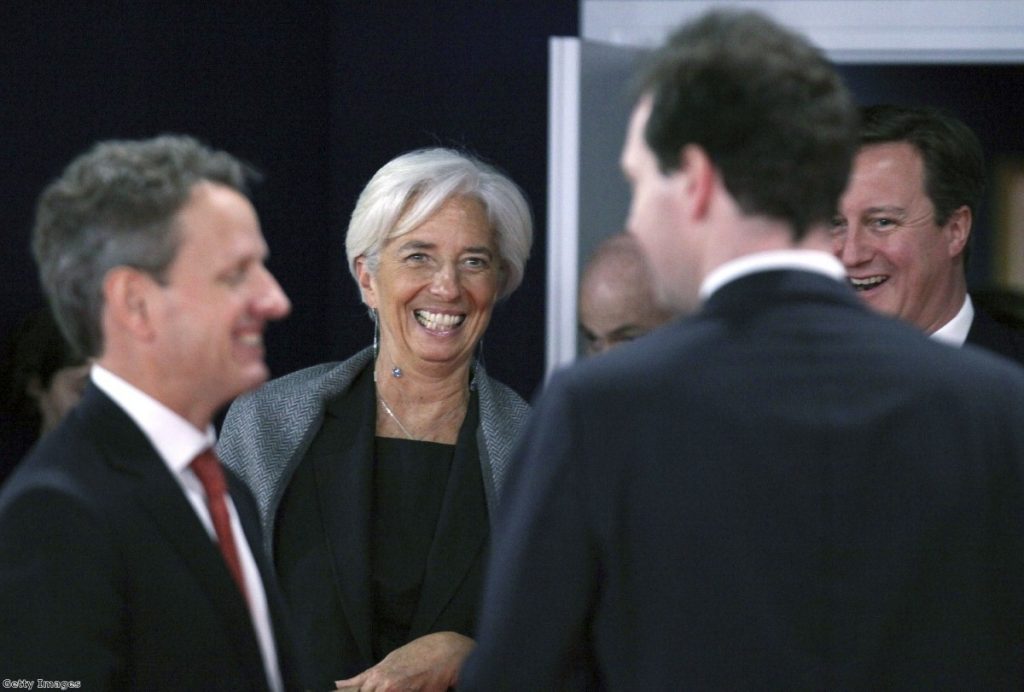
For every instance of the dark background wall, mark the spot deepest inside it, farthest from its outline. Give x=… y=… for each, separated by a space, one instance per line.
x=317 y=95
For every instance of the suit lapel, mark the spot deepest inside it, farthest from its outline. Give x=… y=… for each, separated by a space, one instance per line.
x=990 y=334
x=127 y=449
x=461 y=533
x=342 y=458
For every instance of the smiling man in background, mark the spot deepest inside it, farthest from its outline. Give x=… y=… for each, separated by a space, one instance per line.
x=904 y=225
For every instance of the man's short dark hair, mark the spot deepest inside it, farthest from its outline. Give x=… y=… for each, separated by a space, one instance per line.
x=954 y=163
x=764 y=104
x=115 y=206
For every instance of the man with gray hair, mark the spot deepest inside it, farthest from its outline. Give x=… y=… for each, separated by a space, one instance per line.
x=128 y=557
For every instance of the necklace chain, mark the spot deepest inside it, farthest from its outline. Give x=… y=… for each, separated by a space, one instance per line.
x=391 y=413
x=396 y=372
x=443 y=419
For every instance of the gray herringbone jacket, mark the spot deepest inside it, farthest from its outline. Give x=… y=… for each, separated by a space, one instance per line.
x=267 y=431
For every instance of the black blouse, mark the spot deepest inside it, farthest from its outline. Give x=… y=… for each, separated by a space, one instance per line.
x=409 y=480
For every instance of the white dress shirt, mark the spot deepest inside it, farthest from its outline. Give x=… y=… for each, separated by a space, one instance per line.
x=803 y=260
x=178 y=442
x=955 y=331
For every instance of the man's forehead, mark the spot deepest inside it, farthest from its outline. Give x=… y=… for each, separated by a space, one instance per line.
x=889 y=155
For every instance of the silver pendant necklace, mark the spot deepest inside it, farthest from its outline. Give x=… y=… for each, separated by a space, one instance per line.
x=396 y=372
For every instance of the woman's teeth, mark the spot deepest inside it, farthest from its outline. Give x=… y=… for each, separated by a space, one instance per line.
x=438 y=321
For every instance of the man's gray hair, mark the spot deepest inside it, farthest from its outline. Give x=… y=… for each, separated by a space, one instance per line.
x=113 y=206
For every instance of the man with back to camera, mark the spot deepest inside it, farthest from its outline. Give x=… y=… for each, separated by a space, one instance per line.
x=617 y=303
x=904 y=224
x=153 y=262
x=785 y=490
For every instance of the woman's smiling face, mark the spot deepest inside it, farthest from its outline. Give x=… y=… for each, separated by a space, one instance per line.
x=435 y=288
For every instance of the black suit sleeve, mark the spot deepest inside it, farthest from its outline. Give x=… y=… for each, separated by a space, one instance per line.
x=541 y=580
x=61 y=606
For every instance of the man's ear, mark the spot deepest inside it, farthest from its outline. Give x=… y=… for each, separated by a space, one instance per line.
x=700 y=177
x=367 y=284
x=958 y=230
x=127 y=300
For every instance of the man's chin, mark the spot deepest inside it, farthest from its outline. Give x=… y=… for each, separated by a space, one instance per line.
x=253 y=377
x=878 y=302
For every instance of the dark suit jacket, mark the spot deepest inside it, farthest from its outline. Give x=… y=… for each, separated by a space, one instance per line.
x=989 y=333
x=323 y=541
x=108 y=577
x=304 y=444
x=785 y=491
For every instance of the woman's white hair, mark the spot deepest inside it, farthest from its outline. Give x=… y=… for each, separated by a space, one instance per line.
x=411 y=188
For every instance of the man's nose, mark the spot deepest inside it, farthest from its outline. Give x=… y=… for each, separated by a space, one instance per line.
x=272 y=301
x=853 y=247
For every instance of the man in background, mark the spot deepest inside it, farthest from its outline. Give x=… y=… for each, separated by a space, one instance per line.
x=128 y=558
x=904 y=224
x=785 y=490
x=617 y=302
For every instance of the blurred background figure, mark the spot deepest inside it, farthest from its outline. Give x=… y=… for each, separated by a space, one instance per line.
x=41 y=378
x=617 y=302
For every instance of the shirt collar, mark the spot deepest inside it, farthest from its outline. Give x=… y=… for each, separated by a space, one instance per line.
x=804 y=260
x=955 y=331
x=175 y=439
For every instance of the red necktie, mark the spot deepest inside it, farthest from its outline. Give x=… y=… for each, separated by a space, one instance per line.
x=207 y=467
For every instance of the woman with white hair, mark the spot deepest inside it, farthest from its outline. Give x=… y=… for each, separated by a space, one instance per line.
x=377 y=477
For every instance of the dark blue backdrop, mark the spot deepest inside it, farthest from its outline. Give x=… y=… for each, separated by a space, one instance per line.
x=317 y=95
